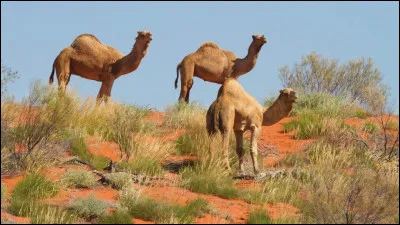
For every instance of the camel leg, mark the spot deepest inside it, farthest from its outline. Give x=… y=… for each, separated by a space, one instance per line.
x=255 y=134
x=187 y=71
x=105 y=92
x=189 y=86
x=63 y=70
x=227 y=116
x=239 y=149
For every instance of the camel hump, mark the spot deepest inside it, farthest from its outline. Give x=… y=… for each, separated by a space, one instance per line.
x=88 y=35
x=208 y=44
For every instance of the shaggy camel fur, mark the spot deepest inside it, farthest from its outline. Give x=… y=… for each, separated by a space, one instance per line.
x=213 y=64
x=89 y=58
x=234 y=109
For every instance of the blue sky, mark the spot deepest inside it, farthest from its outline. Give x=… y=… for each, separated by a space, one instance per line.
x=33 y=34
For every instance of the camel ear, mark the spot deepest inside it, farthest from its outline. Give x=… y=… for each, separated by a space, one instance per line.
x=254 y=37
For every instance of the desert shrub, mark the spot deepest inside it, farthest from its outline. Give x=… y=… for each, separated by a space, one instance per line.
x=356 y=79
x=7 y=76
x=45 y=112
x=284 y=189
x=161 y=212
x=259 y=217
x=370 y=127
x=126 y=121
x=34 y=187
x=88 y=208
x=348 y=184
x=392 y=125
x=147 y=147
x=3 y=191
x=312 y=125
x=142 y=165
x=46 y=214
x=359 y=113
x=120 y=180
x=78 y=178
x=182 y=115
x=79 y=149
x=118 y=216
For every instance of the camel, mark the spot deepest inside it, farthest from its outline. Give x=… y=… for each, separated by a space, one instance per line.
x=235 y=109
x=89 y=58
x=213 y=64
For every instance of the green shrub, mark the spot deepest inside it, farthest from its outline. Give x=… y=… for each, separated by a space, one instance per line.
x=311 y=125
x=78 y=178
x=79 y=149
x=34 y=187
x=360 y=113
x=88 y=208
x=370 y=127
x=355 y=78
x=46 y=214
x=120 y=180
x=142 y=165
x=160 y=212
x=208 y=184
x=118 y=216
x=259 y=217
x=392 y=125
x=3 y=191
x=182 y=115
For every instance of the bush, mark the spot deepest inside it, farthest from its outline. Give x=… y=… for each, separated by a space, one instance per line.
x=120 y=180
x=78 y=178
x=365 y=189
x=44 y=113
x=392 y=125
x=46 y=214
x=79 y=149
x=118 y=216
x=259 y=217
x=34 y=187
x=88 y=208
x=3 y=191
x=370 y=127
x=186 y=116
x=356 y=79
x=142 y=165
x=148 y=209
x=312 y=125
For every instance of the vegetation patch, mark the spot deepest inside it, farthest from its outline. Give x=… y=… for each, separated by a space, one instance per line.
x=118 y=216
x=88 y=208
x=78 y=178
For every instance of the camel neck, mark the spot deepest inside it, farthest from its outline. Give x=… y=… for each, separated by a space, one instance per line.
x=277 y=111
x=246 y=64
x=131 y=61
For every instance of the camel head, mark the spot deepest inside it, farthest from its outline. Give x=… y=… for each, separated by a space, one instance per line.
x=288 y=95
x=144 y=36
x=261 y=39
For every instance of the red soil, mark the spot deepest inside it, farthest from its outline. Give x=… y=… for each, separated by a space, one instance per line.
x=108 y=149
x=284 y=142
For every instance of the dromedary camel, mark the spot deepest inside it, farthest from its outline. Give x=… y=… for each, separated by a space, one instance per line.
x=213 y=64
x=234 y=109
x=89 y=58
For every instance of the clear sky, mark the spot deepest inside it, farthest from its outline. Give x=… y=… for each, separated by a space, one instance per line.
x=33 y=34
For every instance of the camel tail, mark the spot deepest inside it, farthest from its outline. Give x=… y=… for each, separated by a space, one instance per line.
x=177 y=75
x=51 y=78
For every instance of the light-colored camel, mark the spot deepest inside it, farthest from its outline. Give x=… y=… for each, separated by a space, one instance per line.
x=234 y=109
x=89 y=58
x=213 y=64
